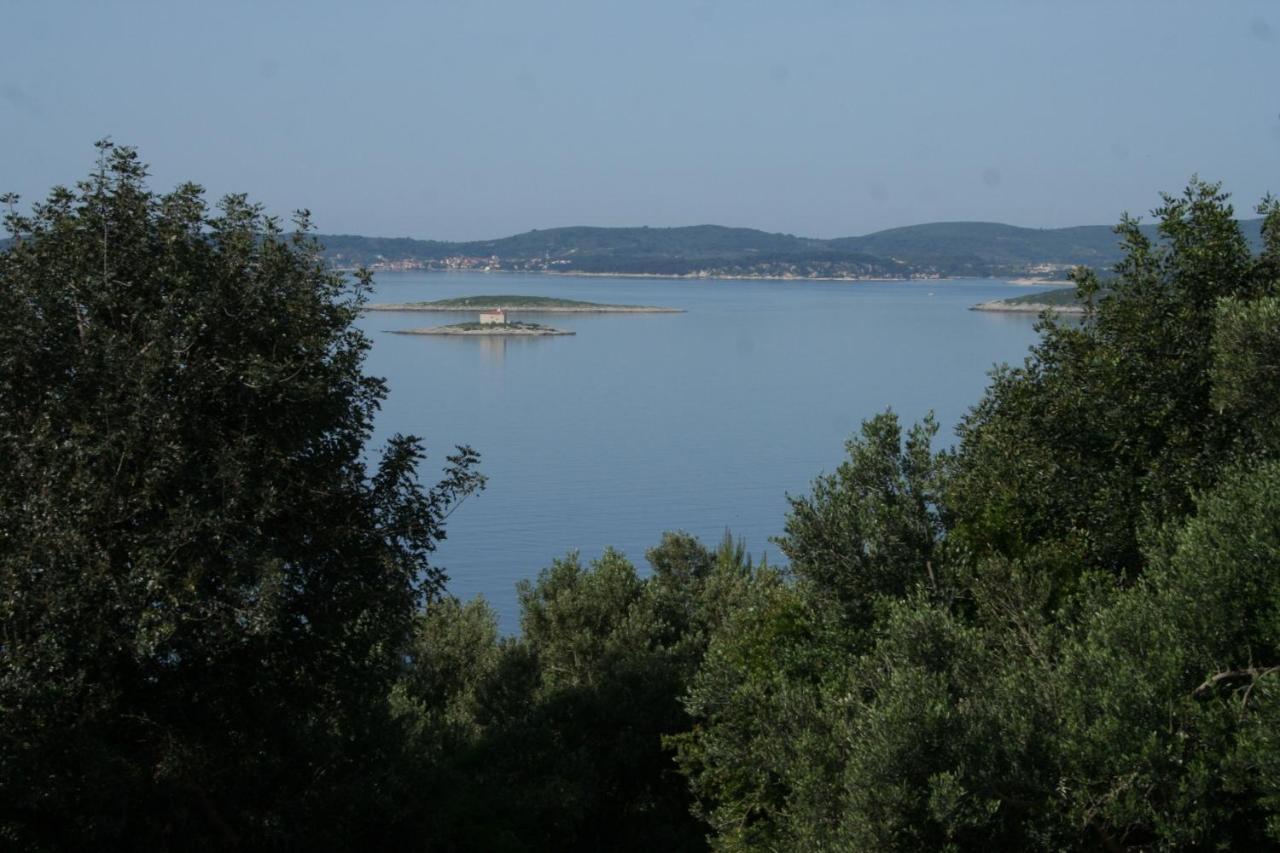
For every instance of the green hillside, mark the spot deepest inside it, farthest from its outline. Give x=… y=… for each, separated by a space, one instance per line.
x=938 y=248
x=992 y=242
x=697 y=241
x=1061 y=296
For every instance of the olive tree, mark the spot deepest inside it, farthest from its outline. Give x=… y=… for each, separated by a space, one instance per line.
x=206 y=580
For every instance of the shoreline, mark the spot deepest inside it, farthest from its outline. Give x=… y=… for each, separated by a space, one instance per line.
x=676 y=276
x=999 y=305
x=427 y=307
x=709 y=276
x=506 y=332
x=1020 y=280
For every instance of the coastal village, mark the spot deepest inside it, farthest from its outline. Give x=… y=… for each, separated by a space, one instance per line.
x=816 y=270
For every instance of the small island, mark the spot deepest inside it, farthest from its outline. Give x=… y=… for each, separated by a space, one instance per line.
x=511 y=304
x=486 y=329
x=1061 y=301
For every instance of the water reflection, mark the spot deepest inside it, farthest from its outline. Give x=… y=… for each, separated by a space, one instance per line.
x=493 y=350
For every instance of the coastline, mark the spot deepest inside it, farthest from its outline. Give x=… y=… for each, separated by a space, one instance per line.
x=427 y=307
x=482 y=333
x=1020 y=280
x=678 y=276
x=716 y=277
x=1027 y=307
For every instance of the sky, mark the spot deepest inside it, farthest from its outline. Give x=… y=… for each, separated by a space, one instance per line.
x=482 y=118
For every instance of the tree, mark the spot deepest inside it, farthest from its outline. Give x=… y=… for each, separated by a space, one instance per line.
x=204 y=589
x=556 y=740
x=1168 y=692
x=871 y=529
x=1109 y=428
x=1062 y=635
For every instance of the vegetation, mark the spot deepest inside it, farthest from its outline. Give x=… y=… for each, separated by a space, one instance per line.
x=1061 y=635
x=221 y=629
x=202 y=584
x=1063 y=300
x=482 y=326
x=554 y=740
x=1060 y=296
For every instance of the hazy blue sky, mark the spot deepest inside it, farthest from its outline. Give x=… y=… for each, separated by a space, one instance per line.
x=473 y=119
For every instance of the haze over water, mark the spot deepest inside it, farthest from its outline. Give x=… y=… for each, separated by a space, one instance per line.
x=642 y=423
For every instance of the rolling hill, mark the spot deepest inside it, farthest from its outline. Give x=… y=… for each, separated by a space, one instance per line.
x=930 y=250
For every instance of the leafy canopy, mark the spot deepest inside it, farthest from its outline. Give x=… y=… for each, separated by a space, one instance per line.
x=202 y=581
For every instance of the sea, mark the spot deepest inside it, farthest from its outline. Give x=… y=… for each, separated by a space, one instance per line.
x=702 y=421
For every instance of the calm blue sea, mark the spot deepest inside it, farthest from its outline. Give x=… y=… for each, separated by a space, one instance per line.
x=642 y=423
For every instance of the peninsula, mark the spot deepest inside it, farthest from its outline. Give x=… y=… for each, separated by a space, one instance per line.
x=511 y=304
x=487 y=330
x=1061 y=301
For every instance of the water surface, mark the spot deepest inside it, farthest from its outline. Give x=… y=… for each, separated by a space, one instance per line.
x=642 y=423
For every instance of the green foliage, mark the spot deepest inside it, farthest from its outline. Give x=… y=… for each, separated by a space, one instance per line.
x=581 y=622
x=555 y=740
x=1165 y=686
x=203 y=590
x=454 y=654
x=1062 y=296
x=870 y=530
x=754 y=703
x=1109 y=427
x=1061 y=635
x=1246 y=367
x=855 y=708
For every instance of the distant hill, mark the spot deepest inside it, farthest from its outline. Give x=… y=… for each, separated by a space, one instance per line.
x=695 y=250
x=992 y=242
x=919 y=251
x=698 y=241
x=932 y=250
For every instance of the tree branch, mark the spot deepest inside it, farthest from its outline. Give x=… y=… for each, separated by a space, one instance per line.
x=1234 y=679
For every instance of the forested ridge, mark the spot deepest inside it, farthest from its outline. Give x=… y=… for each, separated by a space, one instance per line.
x=929 y=250
x=223 y=626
